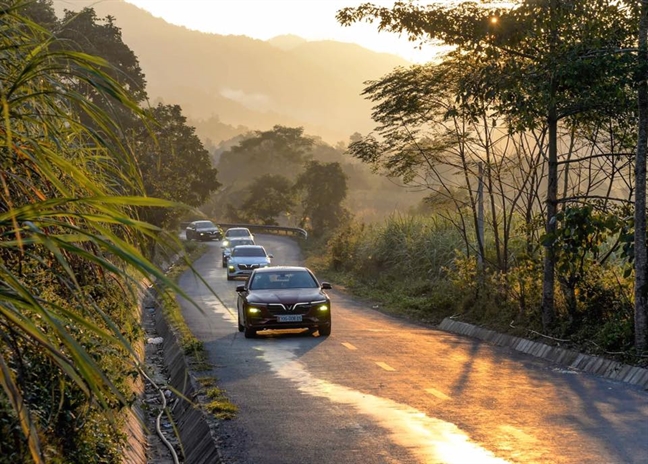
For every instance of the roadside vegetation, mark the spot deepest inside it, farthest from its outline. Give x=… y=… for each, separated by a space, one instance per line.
x=531 y=147
x=78 y=225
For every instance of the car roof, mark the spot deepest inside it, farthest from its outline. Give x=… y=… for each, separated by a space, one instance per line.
x=238 y=228
x=275 y=269
x=203 y=221
x=250 y=246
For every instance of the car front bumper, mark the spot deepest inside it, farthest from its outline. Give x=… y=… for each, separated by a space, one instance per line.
x=271 y=323
x=208 y=236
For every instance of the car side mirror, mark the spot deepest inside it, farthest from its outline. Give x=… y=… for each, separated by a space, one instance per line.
x=240 y=288
x=326 y=286
x=270 y=256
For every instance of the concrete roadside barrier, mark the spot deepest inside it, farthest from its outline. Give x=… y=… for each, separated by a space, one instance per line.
x=607 y=368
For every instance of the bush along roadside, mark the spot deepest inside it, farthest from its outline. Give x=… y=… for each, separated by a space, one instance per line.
x=419 y=267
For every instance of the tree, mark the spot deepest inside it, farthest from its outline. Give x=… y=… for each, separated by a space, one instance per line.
x=84 y=31
x=174 y=164
x=276 y=151
x=324 y=188
x=269 y=197
x=641 y=252
x=543 y=62
x=279 y=151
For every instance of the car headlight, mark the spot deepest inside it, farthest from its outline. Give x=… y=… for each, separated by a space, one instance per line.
x=253 y=310
x=323 y=307
x=225 y=243
x=230 y=267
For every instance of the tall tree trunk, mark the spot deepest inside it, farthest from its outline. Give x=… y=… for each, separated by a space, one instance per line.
x=549 y=276
x=641 y=261
x=549 y=279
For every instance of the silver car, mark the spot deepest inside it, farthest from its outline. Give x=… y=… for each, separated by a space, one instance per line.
x=238 y=232
x=228 y=245
x=246 y=258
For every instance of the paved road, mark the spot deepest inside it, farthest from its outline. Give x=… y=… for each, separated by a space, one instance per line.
x=383 y=390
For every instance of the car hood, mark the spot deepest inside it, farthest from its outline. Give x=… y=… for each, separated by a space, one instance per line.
x=287 y=296
x=208 y=229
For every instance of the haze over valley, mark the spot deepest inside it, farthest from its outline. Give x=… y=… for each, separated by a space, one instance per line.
x=227 y=84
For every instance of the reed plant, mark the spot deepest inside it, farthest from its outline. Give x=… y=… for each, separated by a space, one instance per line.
x=72 y=251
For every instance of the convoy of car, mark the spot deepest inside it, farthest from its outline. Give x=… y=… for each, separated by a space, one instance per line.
x=283 y=297
x=272 y=297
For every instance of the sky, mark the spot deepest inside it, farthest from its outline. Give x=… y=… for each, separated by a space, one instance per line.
x=265 y=19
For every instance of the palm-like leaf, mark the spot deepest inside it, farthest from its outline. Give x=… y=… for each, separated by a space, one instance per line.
x=68 y=196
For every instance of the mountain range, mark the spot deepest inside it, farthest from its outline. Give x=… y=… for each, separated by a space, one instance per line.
x=228 y=84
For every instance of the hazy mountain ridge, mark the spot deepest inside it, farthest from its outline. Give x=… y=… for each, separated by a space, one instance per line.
x=249 y=82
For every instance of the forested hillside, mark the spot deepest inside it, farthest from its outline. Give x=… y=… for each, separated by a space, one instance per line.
x=246 y=82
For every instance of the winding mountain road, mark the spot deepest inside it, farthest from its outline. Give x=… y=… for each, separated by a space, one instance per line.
x=384 y=390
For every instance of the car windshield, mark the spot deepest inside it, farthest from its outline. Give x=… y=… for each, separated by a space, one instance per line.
x=205 y=225
x=234 y=243
x=238 y=233
x=279 y=280
x=248 y=252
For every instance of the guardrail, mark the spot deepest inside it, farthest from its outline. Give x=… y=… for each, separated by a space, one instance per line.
x=261 y=228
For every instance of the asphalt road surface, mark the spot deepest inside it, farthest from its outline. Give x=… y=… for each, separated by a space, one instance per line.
x=383 y=390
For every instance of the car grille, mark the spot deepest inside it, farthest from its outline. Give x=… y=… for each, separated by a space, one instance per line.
x=248 y=267
x=297 y=308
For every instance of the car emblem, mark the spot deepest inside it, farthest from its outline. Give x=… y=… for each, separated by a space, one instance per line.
x=290 y=307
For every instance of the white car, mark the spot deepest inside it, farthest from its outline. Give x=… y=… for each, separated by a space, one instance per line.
x=246 y=258
x=228 y=245
x=238 y=232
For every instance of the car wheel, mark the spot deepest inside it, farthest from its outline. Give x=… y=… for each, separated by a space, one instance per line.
x=325 y=331
x=229 y=277
x=224 y=263
x=240 y=326
x=250 y=333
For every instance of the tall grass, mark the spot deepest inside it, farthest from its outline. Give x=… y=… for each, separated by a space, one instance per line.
x=419 y=266
x=70 y=251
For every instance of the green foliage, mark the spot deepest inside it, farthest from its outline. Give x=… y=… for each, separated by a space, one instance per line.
x=324 y=188
x=412 y=265
x=280 y=150
x=276 y=152
x=174 y=164
x=584 y=239
x=84 y=31
x=268 y=197
x=218 y=404
x=71 y=251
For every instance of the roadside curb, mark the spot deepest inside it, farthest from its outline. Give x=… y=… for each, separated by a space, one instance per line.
x=592 y=364
x=198 y=443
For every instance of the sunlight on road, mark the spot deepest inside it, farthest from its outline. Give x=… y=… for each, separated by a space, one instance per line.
x=433 y=440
